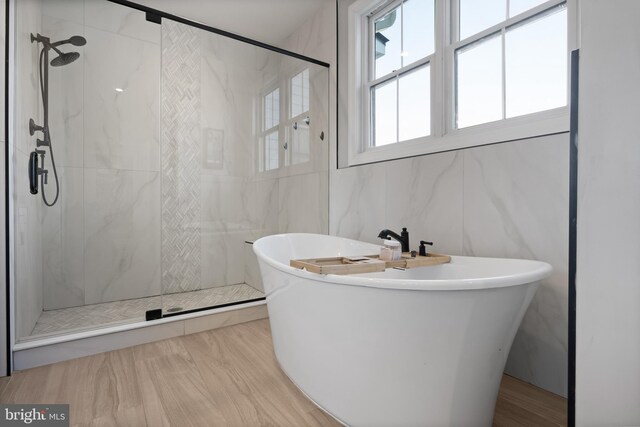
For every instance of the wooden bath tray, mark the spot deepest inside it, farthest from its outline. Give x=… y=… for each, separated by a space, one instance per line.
x=340 y=265
x=366 y=264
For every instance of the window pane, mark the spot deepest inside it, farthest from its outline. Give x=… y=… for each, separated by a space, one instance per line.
x=300 y=93
x=271 y=151
x=479 y=85
x=536 y=65
x=385 y=119
x=272 y=109
x=518 y=6
x=387 y=42
x=476 y=15
x=415 y=104
x=418 y=30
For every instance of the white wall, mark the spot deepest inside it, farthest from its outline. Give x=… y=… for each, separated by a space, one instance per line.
x=608 y=270
x=3 y=281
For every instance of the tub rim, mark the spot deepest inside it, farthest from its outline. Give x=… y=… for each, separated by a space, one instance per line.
x=540 y=270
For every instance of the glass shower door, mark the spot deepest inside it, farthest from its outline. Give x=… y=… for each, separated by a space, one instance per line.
x=244 y=154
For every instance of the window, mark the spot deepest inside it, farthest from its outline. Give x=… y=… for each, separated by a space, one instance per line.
x=401 y=48
x=519 y=68
x=285 y=118
x=435 y=75
x=270 y=141
x=297 y=148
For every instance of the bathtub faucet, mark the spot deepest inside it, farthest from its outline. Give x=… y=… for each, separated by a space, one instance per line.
x=403 y=238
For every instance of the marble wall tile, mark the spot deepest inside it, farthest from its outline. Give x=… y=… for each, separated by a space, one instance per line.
x=223 y=258
x=425 y=195
x=66 y=118
x=63 y=243
x=304 y=203
x=121 y=129
x=28 y=20
x=69 y=10
x=227 y=99
x=516 y=206
x=28 y=252
x=264 y=196
x=27 y=207
x=122 y=20
x=358 y=202
x=225 y=203
x=122 y=234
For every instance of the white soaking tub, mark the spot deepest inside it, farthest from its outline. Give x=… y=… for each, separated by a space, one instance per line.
x=417 y=347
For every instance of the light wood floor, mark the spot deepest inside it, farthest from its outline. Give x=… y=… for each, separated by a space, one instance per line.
x=224 y=377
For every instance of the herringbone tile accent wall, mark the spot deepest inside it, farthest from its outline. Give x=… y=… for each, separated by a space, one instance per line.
x=181 y=84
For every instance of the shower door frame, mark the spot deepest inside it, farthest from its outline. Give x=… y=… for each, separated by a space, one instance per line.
x=152 y=15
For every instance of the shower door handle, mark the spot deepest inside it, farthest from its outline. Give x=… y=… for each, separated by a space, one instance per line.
x=33 y=172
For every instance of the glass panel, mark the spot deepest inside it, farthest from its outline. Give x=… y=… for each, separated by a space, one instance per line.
x=83 y=256
x=415 y=104
x=479 y=83
x=385 y=113
x=388 y=42
x=476 y=16
x=208 y=215
x=418 y=30
x=161 y=134
x=536 y=65
x=518 y=6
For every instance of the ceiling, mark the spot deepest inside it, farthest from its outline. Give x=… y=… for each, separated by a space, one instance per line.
x=269 y=21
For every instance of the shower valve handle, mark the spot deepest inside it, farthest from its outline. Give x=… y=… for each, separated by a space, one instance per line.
x=33 y=127
x=40 y=143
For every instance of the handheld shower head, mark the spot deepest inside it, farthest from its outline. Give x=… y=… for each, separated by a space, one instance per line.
x=75 y=40
x=64 y=59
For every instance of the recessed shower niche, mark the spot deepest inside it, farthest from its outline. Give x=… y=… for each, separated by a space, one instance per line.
x=174 y=146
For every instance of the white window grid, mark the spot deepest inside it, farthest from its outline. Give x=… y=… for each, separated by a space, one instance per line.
x=444 y=134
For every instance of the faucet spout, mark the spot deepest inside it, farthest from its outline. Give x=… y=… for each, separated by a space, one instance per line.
x=403 y=237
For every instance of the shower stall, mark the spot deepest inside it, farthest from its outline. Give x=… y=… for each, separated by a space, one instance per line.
x=175 y=146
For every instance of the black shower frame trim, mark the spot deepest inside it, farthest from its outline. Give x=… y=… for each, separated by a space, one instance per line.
x=161 y=14
x=573 y=235
x=6 y=184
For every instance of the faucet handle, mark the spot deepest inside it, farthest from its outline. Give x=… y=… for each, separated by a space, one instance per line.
x=423 y=249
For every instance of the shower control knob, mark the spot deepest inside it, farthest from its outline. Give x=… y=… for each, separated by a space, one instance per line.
x=285 y=145
x=33 y=127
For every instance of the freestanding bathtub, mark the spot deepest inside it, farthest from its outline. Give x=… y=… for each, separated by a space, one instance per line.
x=417 y=347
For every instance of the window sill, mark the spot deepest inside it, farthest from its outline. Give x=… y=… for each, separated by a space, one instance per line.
x=525 y=127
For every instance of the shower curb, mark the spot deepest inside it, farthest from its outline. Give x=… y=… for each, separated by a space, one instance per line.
x=45 y=351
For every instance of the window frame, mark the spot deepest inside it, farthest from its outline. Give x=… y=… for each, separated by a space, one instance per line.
x=444 y=135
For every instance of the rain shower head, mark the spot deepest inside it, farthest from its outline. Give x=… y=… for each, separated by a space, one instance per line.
x=64 y=59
